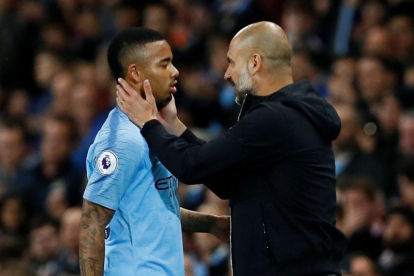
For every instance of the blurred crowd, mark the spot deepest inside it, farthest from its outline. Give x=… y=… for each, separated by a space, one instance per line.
x=56 y=91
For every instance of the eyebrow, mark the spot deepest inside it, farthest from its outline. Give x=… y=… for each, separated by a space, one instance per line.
x=167 y=59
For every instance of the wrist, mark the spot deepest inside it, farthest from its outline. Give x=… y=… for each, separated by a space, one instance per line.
x=176 y=127
x=211 y=223
x=149 y=122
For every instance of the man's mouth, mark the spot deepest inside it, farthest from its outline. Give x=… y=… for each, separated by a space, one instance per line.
x=173 y=87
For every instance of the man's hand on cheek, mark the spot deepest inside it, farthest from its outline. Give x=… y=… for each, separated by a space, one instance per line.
x=131 y=102
x=168 y=118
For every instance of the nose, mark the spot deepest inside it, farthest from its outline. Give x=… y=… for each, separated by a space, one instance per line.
x=175 y=73
x=227 y=75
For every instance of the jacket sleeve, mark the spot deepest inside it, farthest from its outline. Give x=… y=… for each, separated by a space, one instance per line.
x=219 y=185
x=252 y=143
x=190 y=138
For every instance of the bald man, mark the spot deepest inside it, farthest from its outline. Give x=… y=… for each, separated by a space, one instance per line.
x=275 y=164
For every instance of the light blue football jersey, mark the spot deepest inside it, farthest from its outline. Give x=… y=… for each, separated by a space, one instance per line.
x=144 y=236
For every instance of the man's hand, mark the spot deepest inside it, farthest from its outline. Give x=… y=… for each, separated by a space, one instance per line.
x=221 y=228
x=168 y=118
x=138 y=109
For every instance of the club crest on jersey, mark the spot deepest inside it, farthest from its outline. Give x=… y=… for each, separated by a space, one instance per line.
x=107 y=162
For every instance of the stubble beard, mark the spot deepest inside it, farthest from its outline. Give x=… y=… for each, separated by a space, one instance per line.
x=163 y=103
x=245 y=86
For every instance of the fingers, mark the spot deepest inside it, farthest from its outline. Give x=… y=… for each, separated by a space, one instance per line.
x=120 y=105
x=148 y=93
x=129 y=90
x=122 y=95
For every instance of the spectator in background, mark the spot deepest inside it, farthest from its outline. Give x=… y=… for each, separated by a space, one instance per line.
x=345 y=68
x=235 y=15
x=62 y=85
x=54 y=168
x=367 y=30
x=126 y=15
x=84 y=109
x=55 y=37
x=88 y=119
x=362 y=216
x=57 y=202
x=68 y=255
x=88 y=34
x=19 y=105
x=375 y=80
x=298 y=21
x=362 y=265
x=377 y=42
x=351 y=160
x=43 y=247
x=305 y=68
x=14 y=152
x=158 y=17
x=13 y=224
x=398 y=257
x=47 y=65
x=406 y=183
x=406 y=142
x=401 y=28
x=341 y=92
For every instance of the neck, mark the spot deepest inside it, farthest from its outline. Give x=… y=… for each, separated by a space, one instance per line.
x=270 y=84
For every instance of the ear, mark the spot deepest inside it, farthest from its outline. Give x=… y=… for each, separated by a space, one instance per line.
x=133 y=74
x=255 y=63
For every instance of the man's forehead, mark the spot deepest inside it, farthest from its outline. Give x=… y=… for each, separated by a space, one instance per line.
x=158 y=50
x=235 y=48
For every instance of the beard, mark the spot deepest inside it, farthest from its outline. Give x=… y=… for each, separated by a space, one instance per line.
x=163 y=103
x=245 y=86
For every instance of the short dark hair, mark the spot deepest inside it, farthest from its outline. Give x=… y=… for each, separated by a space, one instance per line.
x=67 y=121
x=123 y=41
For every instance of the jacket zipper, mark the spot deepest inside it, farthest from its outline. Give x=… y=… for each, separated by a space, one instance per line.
x=241 y=109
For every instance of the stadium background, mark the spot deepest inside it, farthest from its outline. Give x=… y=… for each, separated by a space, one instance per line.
x=56 y=91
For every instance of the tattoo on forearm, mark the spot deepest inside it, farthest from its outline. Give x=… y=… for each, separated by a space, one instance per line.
x=195 y=222
x=91 y=244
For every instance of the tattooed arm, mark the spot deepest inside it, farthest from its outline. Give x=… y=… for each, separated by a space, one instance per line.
x=91 y=243
x=192 y=221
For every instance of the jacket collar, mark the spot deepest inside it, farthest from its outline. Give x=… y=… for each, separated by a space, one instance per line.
x=250 y=101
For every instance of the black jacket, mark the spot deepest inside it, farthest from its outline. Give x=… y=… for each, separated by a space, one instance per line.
x=277 y=167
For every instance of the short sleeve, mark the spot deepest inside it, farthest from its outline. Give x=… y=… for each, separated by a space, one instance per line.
x=112 y=171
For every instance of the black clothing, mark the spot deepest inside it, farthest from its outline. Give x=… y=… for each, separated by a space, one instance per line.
x=276 y=166
x=37 y=185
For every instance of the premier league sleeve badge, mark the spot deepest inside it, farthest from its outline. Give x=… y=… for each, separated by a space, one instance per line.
x=107 y=162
